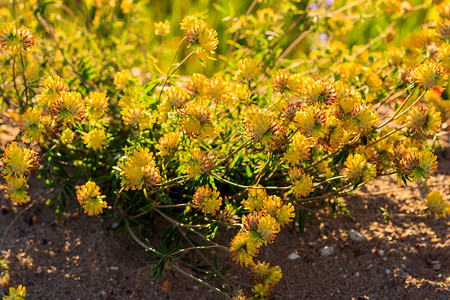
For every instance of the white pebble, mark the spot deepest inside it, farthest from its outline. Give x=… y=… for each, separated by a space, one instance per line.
x=387 y=271
x=326 y=251
x=380 y=252
x=293 y=256
x=356 y=236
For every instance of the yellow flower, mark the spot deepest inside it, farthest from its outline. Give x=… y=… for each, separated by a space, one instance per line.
x=18 y=161
x=16 y=294
x=16 y=189
x=197 y=121
x=136 y=115
x=437 y=205
x=162 y=28
x=67 y=136
x=126 y=6
x=263 y=273
x=298 y=150
x=207 y=200
x=91 y=199
x=302 y=184
x=244 y=247
x=14 y=39
x=368 y=120
x=268 y=228
x=286 y=83
x=30 y=125
x=168 y=143
x=96 y=139
x=358 y=169
x=430 y=74
x=263 y=127
x=255 y=200
x=96 y=103
x=199 y=163
x=424 y=121
x=310 y=121
x=123 y=80
x=415 y=164
x=53 y=86
x=196 y=85
x=319 y=91
x=69 y=107
x=249 y=69
x=217 y=89
x=394 y=55
x=198 y=33
x=443 y=29
x=139 y=170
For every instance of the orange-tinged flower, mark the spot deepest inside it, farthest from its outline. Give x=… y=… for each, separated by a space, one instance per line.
x=310 y=121
x=19 y=161
x=168 y=143
x=244 y=247
x=29 y=123
x=255 y=200
x=69 y=107
x=298 y=150
x=199 y=163
x=268 y=228
x=196 y=85
x=443 y=29
x=319 y=91
x=96 y=103
x=14 y=39
x=91 y=199
x=139 y=170
x=207 y=200
x=430 y=74
x=302 y=184
x=423 y=121
x=123 y=80
x=249 y=69
x=358 y=169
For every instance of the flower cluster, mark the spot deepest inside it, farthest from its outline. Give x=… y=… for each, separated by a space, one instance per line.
x=15 y=40
x=199 y=34
x=91 y=199
x=18 y=162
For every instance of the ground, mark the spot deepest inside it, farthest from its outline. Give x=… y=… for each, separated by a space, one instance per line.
x=82 y=257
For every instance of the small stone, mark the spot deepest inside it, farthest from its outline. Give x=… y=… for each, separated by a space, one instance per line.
x=293 y=256
x=387 y=271
x=356 y=236
x=413 y=250
x=39 y=270
x=437 y=267
x=326 y=251
x=384 y=258
x=380 y=252
x=114 y=268
x=369 y=267
x=357 y=274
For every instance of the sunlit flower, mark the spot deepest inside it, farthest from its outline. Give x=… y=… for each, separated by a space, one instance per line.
x=197 y=120
x=424 y=121
x=244 y=247
x=298 y=150
x=123 y=80
x=198 y=33
x=430 y=74
x=69 y=107
x=175 y=97
x=139 y=170
x=136 y=115
x=255 y=199
x=263 y=127
x=437 y=205
x=417 y=165
x=29 y=123
x=196 y=84
x=268 y=228
x=91 y=199
x=53 y=86
x=168 y=143
x=96 y=139
x=217 y=89
x=249 y=69
x=368 y=120
x=16 y=294
x=263 y=273
x=162 y=28
x=126 y=6
x=394 y=55
x=199 y=163
x=302 y=184
x=16 y=189
x=310 y=121
x=15 y=39
x=358 y=169
x=443 y=29
x=19 y=161
x=96 y=103
x=285 y=82
x=207 y=200
x=319 y=91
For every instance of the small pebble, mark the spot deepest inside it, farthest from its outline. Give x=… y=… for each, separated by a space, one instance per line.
x=114 y=268
x=413 y=250
x=293 y=256
x=39 y=270
x=357 y=274
x=380 y=252
x=369 y=267
x=356 y=236
x=387 y=271
x=437 y=267
x=384 y=258
x=326 y=251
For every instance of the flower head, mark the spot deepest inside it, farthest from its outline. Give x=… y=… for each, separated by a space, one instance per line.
x=255 y=200
x=53 y=86
x=249 y=69
x=358 y=169
x=319 y=91
x=15 y=39
x=16 y=189
x=298 y=150
x=69 y=107
x=437 y=205
x=96 y=103
x=19 y=161
x=91 y=199
x=123 y=80
x=162 y=28
x=302 y=184
x=430 y=74
x=310 y=121
x=30 y=125
x=96 y=139
x=139 y=170
x=168 y=143
x=207 y=200
x=16 y=294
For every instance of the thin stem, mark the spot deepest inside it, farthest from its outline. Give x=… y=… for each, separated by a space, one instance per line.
x=15 y=85
x=386 y=135
x=225 y=295
x=398 y=110
x=24 y=76
x=251 y=187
